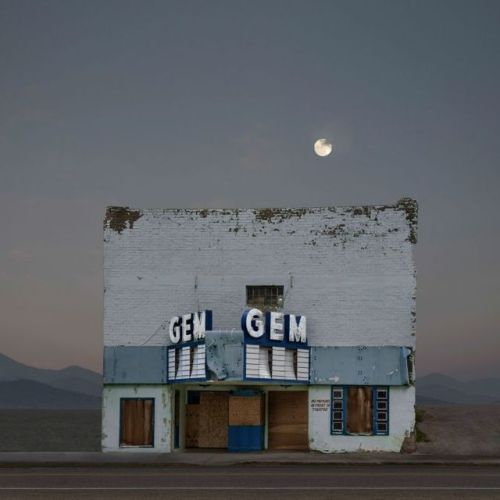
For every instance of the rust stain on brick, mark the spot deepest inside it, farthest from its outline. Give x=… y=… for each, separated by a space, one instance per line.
x=118 y=217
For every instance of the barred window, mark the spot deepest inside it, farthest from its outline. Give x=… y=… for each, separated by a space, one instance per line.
x=381 y=412
x=265 y=298
x=338 y=410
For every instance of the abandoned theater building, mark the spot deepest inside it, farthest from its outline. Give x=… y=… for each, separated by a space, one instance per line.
x=259 y=329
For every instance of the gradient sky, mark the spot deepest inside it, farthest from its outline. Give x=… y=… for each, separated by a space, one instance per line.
x=217 y=104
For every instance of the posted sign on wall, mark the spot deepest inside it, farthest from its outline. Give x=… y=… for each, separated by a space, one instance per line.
x=190 y=327
x=275 y=346
x=274 y=326
x=188 y=361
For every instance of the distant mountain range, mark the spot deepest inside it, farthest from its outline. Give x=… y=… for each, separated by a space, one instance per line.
x=23 y=386
x=438 y=389
x=28 y=394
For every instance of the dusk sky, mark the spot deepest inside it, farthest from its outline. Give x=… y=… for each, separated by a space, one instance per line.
x=217 y=104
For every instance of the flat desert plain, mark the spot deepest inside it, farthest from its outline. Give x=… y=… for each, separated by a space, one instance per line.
x=50 y=430
x=461 y=430
x=451 y=430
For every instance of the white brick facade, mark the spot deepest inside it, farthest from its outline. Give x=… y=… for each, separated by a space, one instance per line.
x=349 y=270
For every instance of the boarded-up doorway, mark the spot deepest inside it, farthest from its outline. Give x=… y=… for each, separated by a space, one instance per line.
x=136 y=422
x=288 y=420
x=207 y=419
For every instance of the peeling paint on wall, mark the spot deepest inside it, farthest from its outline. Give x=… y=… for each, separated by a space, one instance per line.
x=224 y=355
x=277 y=215
x=410 y=207
x=117 y=218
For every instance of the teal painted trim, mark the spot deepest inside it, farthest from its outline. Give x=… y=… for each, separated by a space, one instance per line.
x=135 y=365
x=359 y=365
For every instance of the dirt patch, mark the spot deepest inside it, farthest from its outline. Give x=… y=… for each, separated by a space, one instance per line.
x=460 y=430
x=420 y=435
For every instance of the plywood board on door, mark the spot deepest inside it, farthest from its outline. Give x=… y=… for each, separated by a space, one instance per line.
x=192 y=425
x=213 y=424
x=246 y=410
x=137 y=417
x=288 y=420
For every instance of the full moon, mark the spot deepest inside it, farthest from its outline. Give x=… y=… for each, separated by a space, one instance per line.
x=322 y=147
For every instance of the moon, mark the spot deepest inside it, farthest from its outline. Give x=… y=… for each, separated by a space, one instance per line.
x=322 y=147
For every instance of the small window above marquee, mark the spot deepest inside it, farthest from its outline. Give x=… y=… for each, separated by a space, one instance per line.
x=265 y=297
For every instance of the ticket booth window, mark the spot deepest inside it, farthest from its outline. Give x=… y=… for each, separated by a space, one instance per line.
x=137 y=422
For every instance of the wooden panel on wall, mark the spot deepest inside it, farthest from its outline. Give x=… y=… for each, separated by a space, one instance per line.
x=288 y=420
x=137 y=422
x=192 y=425
x=213 y=424
x=246 y=410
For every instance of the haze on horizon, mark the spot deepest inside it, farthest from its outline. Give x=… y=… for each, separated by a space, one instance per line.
x=217 y=104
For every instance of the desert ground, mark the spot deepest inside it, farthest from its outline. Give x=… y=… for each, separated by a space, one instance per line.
x=450 y=430
x=50 y=430
x=461 y=430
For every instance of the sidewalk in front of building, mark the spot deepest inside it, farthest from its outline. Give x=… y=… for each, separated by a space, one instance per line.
x=87 y=459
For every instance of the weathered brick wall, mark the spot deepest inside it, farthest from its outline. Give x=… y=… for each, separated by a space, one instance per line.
x=350 y=270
